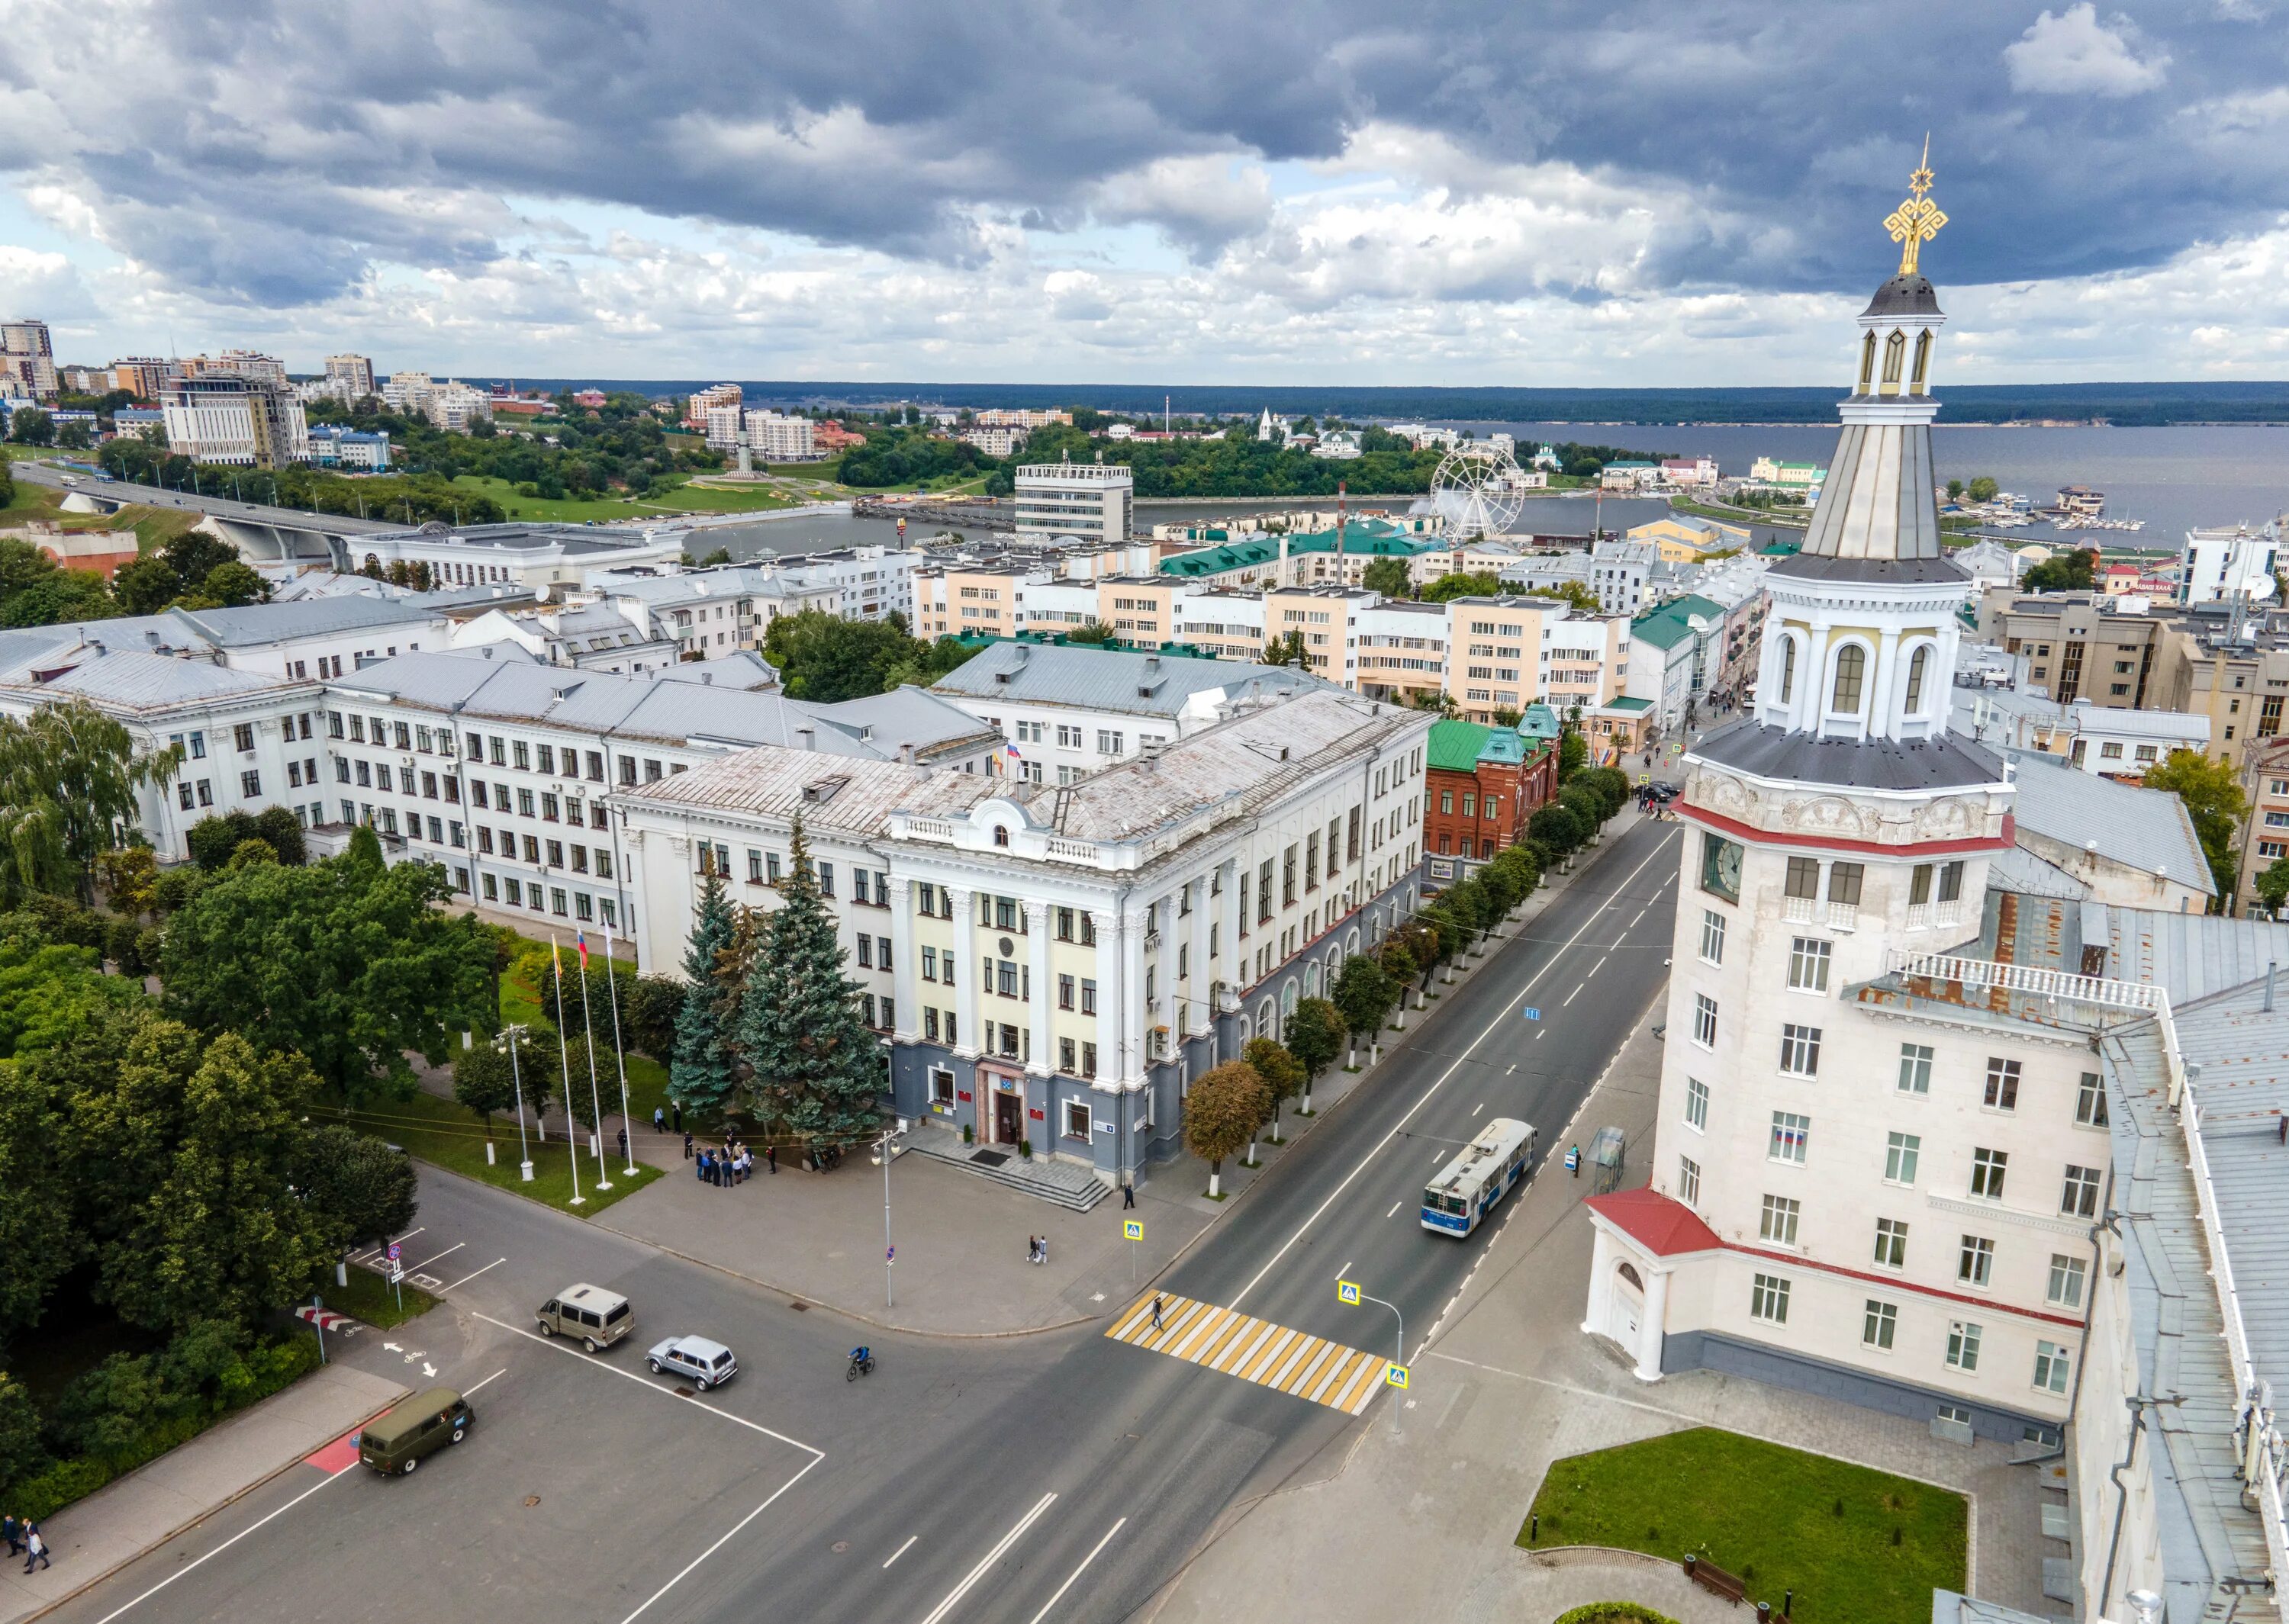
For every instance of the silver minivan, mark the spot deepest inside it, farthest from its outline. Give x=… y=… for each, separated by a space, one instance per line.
x=597 y=1316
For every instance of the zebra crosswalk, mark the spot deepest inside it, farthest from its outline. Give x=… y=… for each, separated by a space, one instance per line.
x=1294 y=1362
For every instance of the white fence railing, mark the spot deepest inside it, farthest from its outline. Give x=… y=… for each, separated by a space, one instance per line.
x=2031 y=979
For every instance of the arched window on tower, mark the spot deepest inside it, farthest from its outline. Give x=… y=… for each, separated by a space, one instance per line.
x=1867 y=364
x=1851 y=670
x=1917 y=663
x=1787 y=669
x=1896 y=354
x=1923 y=360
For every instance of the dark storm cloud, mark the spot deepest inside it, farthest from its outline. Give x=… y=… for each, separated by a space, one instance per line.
x=277 y=152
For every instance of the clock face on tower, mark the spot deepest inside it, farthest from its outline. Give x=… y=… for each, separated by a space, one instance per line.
x=1720 y=866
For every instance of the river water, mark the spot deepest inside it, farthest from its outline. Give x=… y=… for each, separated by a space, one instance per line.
x=2173 y=478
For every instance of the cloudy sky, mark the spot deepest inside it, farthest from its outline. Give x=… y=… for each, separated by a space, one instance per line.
x=1305 y=191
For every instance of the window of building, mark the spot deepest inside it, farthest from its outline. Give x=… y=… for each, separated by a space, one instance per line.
x=2002 y=1084
x=1792 y=1134
x=1915 y=1068
x=1696 y=1102
x=2090 y=1101
x=1704 y=1019
x=1892 y=1243
x=2067 y=1273
x=1851 y=670
x=2079 y=1198
x=1844 y=880
x=1712 y=935
x=1962 y=1345
x=1768 y=1299
x=1076 y=1123
x=1901 y=1151
x=1088 y=997
x=1803 y=877
x=1808 y=965
x=1975 y=1260
x=1878 y=1321
x=1779 y=1221
x=2052 y=1367
x=1688 y=1180
x=1799 y=1050
x=1987 y=1170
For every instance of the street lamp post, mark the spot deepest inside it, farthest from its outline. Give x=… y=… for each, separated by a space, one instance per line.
x=885 y=1151
x=510 y=1035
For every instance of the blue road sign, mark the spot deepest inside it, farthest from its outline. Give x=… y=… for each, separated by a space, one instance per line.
x=1532 y=1012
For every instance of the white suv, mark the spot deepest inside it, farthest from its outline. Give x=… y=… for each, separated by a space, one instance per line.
x=702 y=1362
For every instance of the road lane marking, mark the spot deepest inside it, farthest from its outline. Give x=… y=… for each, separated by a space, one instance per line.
x=496 y=1377
x=903 y=1549
x=466 y=1279
x=729 y=1533
x=991 y=1557
x=1255 y=1350
x=1660 y=845
x=1345 y=1273
x=338 y=1474
x=1598 y=965
x=425 y=1262
x=1573 y=995
x=1481 y=1106
x=1078 y=1571
x=1395 y=1205
x=1542 y=1033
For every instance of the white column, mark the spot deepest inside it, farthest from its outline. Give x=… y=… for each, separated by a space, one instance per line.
x=1881 y=722
x=902 y=972
x=1038 y=915
x=965 y=971
x=1135 y=1018
x=1598 y=1312
x=1649 y=1326
x=1811 y=696
x=1107 y=927
x=1201 y=1011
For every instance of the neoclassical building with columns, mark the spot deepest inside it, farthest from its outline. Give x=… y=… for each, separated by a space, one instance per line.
x=1053 y=965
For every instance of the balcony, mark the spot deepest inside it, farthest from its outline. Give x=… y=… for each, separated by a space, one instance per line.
x=1801 y=910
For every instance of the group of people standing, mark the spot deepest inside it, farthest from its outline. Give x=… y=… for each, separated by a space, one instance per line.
x=25 y=1541
x=733 y=1164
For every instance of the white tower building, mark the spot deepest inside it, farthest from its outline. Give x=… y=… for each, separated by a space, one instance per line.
x=1828 y=1208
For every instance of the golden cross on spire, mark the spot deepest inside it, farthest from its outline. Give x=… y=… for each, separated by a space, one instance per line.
x=1918 y=218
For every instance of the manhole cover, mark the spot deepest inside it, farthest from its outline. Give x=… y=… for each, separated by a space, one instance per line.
x=841 y=1545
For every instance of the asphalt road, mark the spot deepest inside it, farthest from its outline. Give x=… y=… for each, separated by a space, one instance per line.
x=155 y=495
x=1063 y=1476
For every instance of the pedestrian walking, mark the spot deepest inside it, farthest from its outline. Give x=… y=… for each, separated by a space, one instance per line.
x=699 y=1167
x=687 y=1146
x=624 y=1145
x=771 y=1157
x=12 y=1530
x=35 y=1548
x=660 y=1118
x=1156 y=1312
x=1032 y=1245
x=677 y=1106
x=1128 y=1196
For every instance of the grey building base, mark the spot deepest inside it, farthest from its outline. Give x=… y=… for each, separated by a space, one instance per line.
x=1687 y=1350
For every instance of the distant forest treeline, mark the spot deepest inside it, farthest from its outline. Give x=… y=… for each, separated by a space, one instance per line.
x=2128 y=405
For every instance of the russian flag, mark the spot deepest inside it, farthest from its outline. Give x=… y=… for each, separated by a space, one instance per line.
x=580 y=941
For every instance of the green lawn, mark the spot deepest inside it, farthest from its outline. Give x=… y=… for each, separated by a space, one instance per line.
x=723 y=499
x=622 y=509
x=370 y=1297
x=154 y=527
x=452 y=1135
x=520 y=1001
x=1855 y=1544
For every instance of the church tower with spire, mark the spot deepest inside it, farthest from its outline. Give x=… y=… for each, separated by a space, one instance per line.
x=1818 y=1211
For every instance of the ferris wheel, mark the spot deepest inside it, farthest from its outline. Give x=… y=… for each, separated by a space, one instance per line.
x=1478 y=490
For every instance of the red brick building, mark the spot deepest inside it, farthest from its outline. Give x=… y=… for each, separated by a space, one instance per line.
x=1482 y=784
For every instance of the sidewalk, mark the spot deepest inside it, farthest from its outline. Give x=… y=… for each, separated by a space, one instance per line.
x=962 y=1267
x=119 y=1522
x=1509 y=1384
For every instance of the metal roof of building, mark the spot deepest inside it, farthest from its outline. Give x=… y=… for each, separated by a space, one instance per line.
x=143 y=682
x=2146 y=830
x=855 y=797
x=1874 y=764
x=1100 y=678
x=270 y=623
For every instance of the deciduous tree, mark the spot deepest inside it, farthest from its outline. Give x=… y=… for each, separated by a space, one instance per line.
x=1314 y=1036
x=1283 y=1078
x=2214 y=800
x=1222 y=1112
x=364 y=1188
x=1363 y=995
x=70 y=788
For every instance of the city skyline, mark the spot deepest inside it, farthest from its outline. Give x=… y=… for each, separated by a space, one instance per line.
x=1639 y=200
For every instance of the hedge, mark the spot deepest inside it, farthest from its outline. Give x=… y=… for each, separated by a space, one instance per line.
x=277 y=1365
x=1612 y=1612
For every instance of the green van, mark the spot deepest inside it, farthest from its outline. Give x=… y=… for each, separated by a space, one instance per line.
x=395 y=1440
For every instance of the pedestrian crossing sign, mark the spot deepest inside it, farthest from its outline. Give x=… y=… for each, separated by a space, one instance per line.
x=1132 y=1229
x=1395 y=1375
x=1347 y=1292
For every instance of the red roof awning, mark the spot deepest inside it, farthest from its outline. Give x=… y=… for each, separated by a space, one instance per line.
x=1660 y=1224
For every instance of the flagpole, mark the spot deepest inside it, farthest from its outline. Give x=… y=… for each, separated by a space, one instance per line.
x=596 y=1097
x=620 y=1056
x=564 y=1060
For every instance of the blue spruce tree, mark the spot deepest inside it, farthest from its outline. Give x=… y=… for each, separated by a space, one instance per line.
x=703 y=1074
x=818 y=1069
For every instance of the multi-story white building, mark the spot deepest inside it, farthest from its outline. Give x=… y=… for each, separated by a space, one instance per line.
x=1065 y=711
x=252 y=364
x=704 y=401
x=535 y=557
x=1882 y=1150
x=1090 y=502
x=721 y=423
x=996 y=442
x=713 y=611
x=333 y=446
x=352 y=375
x=234 y=419
x=2228 y=562
x=1007 y=416
x=2102 y=739
x=778 y=436
x=1064 y=961
x=27 y=364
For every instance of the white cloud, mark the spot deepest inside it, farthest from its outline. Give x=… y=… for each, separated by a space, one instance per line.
x=1199 y=203
x=2075 y=54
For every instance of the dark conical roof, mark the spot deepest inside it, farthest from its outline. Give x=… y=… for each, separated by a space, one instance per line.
x=1910 y=295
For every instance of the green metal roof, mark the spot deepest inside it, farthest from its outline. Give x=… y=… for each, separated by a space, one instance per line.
x=1367 y=538
x=1539 y=723
x=1627 y=704
x=1671 y=624
x=1455 y=745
